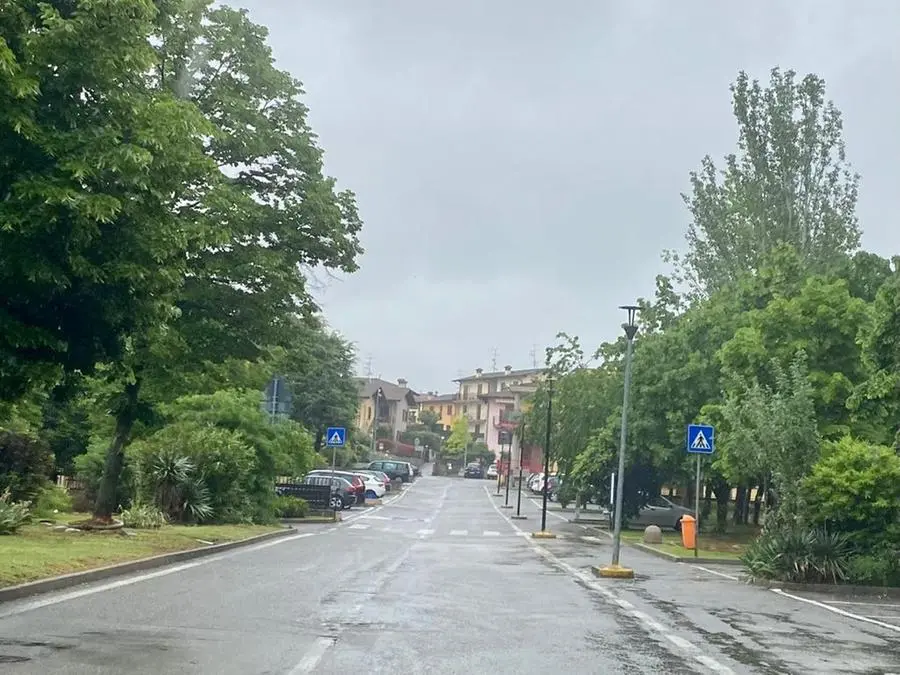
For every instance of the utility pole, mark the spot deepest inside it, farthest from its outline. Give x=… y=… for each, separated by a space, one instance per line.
x=378 y=394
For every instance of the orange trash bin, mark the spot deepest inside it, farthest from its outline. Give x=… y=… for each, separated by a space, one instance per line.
x=688 y=532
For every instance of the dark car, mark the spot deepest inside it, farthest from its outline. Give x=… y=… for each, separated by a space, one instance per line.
x=343 y=494
x=392 y=469
x=357 y=484
x=474 y=471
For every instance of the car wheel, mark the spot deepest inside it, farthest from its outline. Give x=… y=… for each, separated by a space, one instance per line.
x=370 y=494
x=678 y=525
x=337 y=503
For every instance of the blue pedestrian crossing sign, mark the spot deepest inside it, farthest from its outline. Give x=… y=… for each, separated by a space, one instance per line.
x=335 y=436
x=701 y=439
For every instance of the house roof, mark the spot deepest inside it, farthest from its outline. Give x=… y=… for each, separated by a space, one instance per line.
x=392 y=392
x=436 y=398
x=523 y=372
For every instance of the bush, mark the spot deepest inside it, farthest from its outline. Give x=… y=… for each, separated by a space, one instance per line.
x=287 y=506
x=879 y=568
x=173 y=484
x=855 y=488
x=798 y=555
x=13 y=514
x=143 y=517
x=50 y=500
x=25 y=465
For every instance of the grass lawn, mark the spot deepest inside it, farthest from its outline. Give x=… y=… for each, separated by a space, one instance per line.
x=728 y=545
x=38 y=551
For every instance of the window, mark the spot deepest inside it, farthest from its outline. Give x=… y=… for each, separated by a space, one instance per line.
x=450 y=410
x=465 y=409
x=405 y=414
x=466 y=391
x=368 y=413
x=480 y=388
x=478 y=412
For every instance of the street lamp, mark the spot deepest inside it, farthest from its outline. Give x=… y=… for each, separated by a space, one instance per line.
x=545 y=533
x=614 y=569
x=518 y=515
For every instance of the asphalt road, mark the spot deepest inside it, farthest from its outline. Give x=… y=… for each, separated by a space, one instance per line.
x=439 y=580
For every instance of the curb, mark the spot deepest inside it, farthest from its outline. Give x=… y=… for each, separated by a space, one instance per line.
x=831 y=589
x=682 y=559
x=142 y=564
x=291 y=522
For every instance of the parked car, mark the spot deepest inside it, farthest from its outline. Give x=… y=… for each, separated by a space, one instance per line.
x=394 y=469
x=661 y=512
x=343 y=494
x=492 y=471
x=380 y=475
x=372 y=488
x=474 y=470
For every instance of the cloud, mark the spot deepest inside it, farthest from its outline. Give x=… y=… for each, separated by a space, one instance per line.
x=518 y=164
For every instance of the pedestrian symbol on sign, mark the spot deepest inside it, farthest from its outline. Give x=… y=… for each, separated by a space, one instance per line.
x=700 y=442
x=335 y=436
x=701 y=439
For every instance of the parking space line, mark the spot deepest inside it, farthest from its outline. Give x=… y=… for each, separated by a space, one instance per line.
x=359 y=526
x=490 y=533
x=718 y=574
x=837 y=610
x=459 y=533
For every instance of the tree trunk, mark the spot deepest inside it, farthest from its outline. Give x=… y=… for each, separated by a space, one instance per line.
x=317 y=445
x=723 y=494
x=706 y=509
x=740 y=501
x=107 y=495
x=757 y=505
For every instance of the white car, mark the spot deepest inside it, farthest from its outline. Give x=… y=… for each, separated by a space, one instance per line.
x=373 y=486
x=492 y=471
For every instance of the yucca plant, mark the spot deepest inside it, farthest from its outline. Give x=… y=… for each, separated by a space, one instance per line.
x=799 y=555
x=13 y=514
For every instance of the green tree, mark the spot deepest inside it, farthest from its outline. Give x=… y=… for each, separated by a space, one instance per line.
x=459 y=439
x=95 y=164
x=272 y=218
x=431 y=420
x=788 y=183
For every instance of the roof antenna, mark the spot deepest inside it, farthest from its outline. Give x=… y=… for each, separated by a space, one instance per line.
x=369 y=370
x=494 y=354
x=533 y=354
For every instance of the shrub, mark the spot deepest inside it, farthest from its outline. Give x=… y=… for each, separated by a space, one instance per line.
x=174 y=485
x=143 y=517
x=799 y=555
x=288 y=506
x=12 y=514
x=878 y=568
x=855 y=488
x=25 y=465
x=50 y=500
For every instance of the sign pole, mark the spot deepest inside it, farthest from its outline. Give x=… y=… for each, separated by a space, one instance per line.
x=697 y=512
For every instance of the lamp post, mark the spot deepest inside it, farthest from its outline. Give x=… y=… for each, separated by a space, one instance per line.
x=518 y=515
x=544 y=532
x=508 y=434
x=376 y=396
x=615 y=570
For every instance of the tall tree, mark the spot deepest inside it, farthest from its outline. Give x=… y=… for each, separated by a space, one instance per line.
x=274 y=216
x=94 y=165
x=788 y=183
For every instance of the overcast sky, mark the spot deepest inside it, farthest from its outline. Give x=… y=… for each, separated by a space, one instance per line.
x=518 y=163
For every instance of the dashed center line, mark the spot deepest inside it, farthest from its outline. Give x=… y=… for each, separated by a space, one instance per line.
x=459 y=533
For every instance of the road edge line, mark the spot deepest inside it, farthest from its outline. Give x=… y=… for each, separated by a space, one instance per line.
x=837 y=610
x=64 y=581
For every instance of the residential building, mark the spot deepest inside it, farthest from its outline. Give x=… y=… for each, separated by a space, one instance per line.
x=445 y=406
x=492 y=402
x=394 y=404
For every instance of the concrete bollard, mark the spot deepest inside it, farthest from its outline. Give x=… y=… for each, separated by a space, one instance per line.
x=652 y=535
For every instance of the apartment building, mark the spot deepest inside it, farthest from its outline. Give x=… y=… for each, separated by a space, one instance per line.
x=394 y=404
x=445 y=406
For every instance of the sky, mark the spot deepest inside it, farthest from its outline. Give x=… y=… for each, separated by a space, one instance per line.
x=518 y=163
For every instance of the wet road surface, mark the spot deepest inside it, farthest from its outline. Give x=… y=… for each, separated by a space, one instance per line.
x=438 y=580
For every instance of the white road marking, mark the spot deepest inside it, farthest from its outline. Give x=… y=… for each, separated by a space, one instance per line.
x=540 y=506
x=718 y=574
x=864 y=604
x=490 y=533
x=651 y=626
x=837 y=610
x=313 y=656
x=359 y=526
x=128 y=581
x=374 y=517
x=458 y=533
